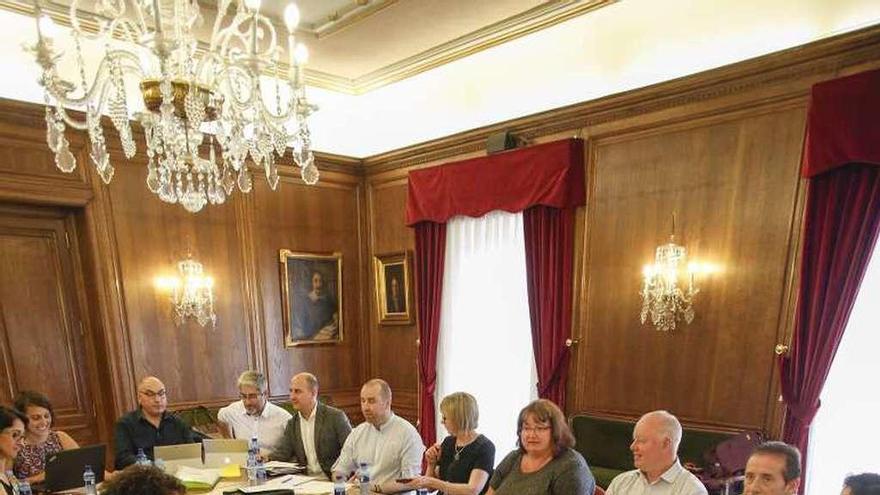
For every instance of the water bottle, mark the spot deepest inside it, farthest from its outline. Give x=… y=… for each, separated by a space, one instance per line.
x=89 y=481
x=251 y=467
x=12 y=481
x=24 y=488
x=422 y=491
x=141 y=459
x=261 y=472
x=338 y=484
x=364 y=477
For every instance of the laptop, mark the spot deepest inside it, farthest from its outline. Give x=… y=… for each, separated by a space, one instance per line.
x=187 y=454
x=64 y=470
x=221 y=452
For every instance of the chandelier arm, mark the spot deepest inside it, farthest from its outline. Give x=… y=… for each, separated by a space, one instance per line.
x=100 y=79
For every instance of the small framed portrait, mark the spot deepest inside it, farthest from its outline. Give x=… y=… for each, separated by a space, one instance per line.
x=393 y=288
x=311 y=286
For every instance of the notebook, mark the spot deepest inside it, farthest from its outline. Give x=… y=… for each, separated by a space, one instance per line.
x=222 y=452
x=175 y=456
x=64 y=470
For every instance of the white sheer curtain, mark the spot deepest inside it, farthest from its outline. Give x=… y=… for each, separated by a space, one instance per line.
x=844 y=435
x=485 y=345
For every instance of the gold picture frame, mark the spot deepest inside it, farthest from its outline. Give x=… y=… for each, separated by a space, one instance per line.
x=311 y=289
x=393 y=288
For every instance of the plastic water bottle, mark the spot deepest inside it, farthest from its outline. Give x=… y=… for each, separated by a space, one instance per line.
x=89 y=481
x=251 y=467
x=141 y=459
x=364 y=477
x=12 y=481
x=24 y=488
x=338 y=484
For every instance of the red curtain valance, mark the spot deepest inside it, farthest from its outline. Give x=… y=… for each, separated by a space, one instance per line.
x=843 y=124
x=550 y=174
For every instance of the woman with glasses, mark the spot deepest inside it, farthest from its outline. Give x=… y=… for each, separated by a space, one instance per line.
x=11 y=440
x=40 y=439
x=544 y=463
x=463 y=462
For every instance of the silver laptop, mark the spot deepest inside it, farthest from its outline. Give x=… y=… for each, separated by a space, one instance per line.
x=188 y=454
x=220 y=452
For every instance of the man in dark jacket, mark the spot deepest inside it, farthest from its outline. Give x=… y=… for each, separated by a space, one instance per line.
x=316 y=433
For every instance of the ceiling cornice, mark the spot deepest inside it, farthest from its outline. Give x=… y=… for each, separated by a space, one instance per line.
x=826 y=56
x=541 y=17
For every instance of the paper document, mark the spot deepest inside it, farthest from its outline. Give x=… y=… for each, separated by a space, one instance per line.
x=315 y=487
x=281 y=483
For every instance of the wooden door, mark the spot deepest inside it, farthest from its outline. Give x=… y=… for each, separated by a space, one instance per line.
x=42 y=334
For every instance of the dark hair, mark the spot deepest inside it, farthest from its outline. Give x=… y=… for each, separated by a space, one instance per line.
x=143 y=480
x=546 y=411
x=863 y=484
x=790 y=452
x=8 y=416
x=27 y=398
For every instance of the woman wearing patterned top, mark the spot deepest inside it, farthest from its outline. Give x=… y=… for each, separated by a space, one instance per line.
x=463 y=463
x=40 y=440
x=544 y=463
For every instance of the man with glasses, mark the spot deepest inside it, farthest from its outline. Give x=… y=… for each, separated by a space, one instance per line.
x=149 y=425
x=254 y=415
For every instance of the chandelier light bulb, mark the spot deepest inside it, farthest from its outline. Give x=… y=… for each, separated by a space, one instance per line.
x=291 y=17
x=253 y=5
x=301 y=54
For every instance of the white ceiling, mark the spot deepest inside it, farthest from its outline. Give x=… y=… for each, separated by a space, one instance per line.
x=622 y=46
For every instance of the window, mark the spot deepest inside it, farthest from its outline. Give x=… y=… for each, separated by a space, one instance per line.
x=485 y=344
x=844 y=435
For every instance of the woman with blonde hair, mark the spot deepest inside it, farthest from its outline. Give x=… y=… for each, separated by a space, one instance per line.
x=462 y=463
x=544 y=463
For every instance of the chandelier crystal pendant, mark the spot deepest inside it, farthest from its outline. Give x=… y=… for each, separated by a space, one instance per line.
x=664 y=297
x=192 y=293
x=188 y=91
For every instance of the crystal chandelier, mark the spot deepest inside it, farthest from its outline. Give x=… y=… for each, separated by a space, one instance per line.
x=662 y=296
x=189 y=92
x=192 y=294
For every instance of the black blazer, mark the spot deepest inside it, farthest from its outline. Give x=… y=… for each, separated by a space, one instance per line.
x=331 y=429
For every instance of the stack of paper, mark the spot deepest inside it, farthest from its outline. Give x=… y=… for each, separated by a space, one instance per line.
x=277 y=468
x=197 y=479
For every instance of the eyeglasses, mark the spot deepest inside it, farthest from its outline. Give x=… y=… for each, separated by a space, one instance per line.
x=151 y=395
x=535 y=429
x=250 y=396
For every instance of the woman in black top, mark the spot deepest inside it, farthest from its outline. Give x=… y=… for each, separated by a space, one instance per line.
x=463 y=463
x=11 y=441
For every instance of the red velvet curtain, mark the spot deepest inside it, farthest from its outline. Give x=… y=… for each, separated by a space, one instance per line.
x=547 y=181
x=549 y=238
x=429 y=261
x=842 y=221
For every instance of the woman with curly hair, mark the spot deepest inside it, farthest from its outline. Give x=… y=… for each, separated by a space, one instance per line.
x=40 y=440
x=142 y=480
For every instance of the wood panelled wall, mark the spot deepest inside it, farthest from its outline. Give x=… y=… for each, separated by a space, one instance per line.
x=127 y=237
x=719 y=149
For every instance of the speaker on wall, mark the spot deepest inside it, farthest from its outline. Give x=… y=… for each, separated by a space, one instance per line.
x=502 y=141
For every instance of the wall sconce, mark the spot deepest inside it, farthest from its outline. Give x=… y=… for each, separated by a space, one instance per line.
x=669 y=285
x=192 y=294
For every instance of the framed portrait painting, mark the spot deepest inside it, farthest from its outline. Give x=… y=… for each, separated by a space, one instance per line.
x=311 y=286
x=393 y=288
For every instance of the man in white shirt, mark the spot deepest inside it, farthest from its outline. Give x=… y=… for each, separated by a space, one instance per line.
x=253 y=415
x=655 y=455
x=315 y=434
x=389 y=445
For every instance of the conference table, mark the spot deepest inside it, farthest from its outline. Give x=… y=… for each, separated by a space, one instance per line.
x=229 y=485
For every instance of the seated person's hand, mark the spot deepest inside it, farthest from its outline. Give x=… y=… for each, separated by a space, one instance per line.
x=432 y=455
x=425 y=482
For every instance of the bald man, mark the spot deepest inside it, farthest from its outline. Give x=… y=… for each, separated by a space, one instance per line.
x=655 y=455
x=149 y=425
